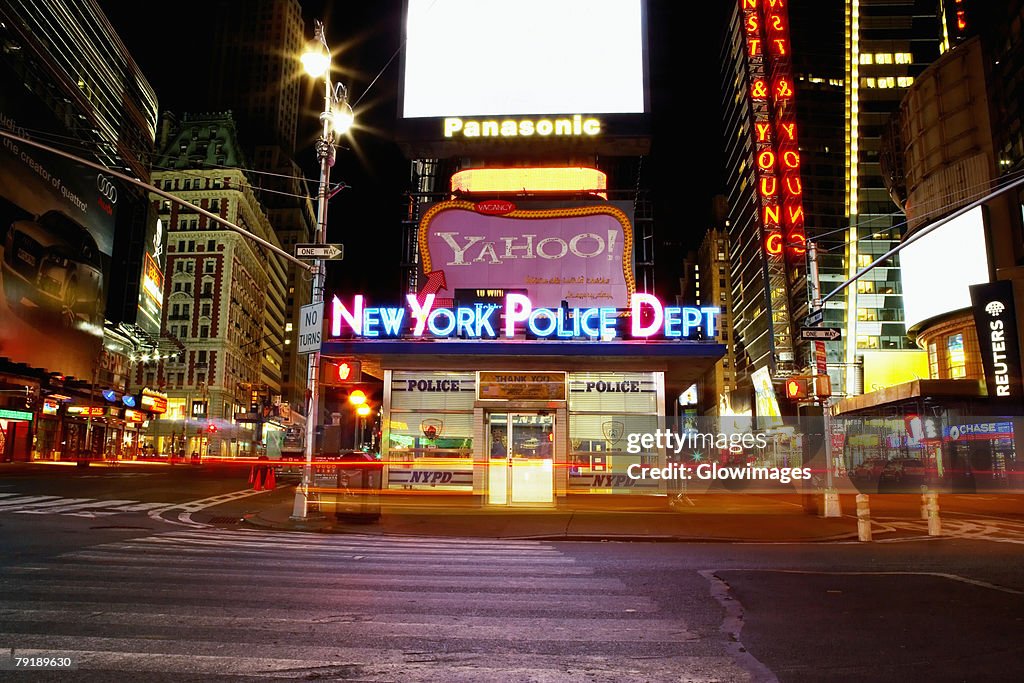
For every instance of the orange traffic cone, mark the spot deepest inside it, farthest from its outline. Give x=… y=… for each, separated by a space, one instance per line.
x=271 y=479
x=258 y=480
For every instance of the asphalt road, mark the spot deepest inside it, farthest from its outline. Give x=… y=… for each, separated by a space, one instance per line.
x=128 y=596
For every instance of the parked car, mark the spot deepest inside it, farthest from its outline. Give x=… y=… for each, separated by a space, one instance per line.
x=903 y=471
x=54 y=263
x=869 y=470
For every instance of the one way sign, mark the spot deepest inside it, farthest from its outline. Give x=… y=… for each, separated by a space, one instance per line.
x=826 y=333
x=330 y=252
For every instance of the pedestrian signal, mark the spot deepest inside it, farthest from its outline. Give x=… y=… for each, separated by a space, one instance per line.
x=797 y=388
x=338 y=371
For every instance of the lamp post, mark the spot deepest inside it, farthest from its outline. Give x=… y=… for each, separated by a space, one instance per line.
x=336 y=119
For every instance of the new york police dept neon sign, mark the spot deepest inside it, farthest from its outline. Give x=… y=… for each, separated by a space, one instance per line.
x=647 y=318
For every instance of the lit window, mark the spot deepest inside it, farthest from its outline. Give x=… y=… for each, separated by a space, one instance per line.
x=883 y=58
x=868 y=82
x=957 y=362
x=904 y=58
x=933 y=361
x=865 y=58
x=905 y=81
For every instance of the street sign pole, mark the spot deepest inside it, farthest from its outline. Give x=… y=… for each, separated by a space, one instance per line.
x=832 y=508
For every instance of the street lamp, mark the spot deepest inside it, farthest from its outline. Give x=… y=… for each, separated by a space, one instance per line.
x=335 y=120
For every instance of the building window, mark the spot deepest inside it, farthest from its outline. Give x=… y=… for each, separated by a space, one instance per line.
x=957 y=360
x=204 y=331
x=206 y=310
x=209 y=266
x=210 y=245
x=933 y=360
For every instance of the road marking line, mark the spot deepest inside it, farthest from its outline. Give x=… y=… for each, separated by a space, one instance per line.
x=22 y=501
x=941 y=575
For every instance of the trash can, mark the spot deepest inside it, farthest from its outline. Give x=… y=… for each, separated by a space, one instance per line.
x=359 y=484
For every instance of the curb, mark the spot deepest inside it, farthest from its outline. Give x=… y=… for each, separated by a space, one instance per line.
x=325 y=526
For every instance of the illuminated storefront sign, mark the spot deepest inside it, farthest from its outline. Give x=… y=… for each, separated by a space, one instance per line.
x=6 y=414
x=524 y=386
x=526 y=180
x=647 y=318
x=134 y=415
x=573 y=126
x=86 y=411
x=995 y=321
x=153 y=401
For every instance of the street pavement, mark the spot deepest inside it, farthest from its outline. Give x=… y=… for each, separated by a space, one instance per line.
x=181 y=574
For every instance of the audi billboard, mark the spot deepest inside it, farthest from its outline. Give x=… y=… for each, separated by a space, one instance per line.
x=56 y=241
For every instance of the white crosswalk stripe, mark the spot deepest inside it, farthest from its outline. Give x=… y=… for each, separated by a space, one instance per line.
x=369 y=607
x=74 y=507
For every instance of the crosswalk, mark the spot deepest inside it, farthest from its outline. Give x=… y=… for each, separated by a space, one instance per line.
x=979 y=528
x=90 y=508
x=215 y=602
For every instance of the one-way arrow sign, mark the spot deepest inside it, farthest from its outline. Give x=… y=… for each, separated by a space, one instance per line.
x=827 y=333
x=331 y=252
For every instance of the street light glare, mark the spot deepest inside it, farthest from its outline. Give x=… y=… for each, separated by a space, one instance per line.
x=357 y=398
x=363 y=410
x=315 y=60
x=342 y=118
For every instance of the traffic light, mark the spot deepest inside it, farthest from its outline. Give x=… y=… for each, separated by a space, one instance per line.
x=336 y=372
x=211 y=428
x=798 y=388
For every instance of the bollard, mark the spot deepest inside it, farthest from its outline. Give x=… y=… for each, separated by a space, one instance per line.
x=832 y=508
x=863 y=518
x=924 y=503
x=934 y=523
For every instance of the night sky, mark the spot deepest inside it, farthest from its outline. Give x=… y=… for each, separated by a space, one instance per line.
x=683 y=170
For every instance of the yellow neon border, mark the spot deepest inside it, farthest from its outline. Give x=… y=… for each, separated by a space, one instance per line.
x=617 y=214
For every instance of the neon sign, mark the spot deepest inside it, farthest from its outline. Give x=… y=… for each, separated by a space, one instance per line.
x=648 y=317
x=574 y=126
x=766 y=30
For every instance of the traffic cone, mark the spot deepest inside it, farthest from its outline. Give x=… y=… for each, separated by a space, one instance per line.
x=258 y=480
x=252 y=474
x=271 y=479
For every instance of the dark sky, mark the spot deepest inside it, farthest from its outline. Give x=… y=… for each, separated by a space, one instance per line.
x=683 y=169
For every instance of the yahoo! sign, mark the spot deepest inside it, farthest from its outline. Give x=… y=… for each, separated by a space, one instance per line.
x=647 y=318
x=579 y=254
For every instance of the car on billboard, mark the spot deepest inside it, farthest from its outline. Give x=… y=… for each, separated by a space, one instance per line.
x=53 y=263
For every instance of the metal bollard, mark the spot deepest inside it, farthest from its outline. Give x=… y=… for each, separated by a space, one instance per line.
x=863 y=518
x=934 y=523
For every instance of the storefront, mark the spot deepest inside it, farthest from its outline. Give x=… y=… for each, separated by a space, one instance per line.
x=523 y=423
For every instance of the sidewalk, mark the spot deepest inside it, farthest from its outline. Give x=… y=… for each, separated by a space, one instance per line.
x=709 y=518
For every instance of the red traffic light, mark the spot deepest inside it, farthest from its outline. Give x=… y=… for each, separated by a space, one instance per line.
x=212 y=428
x=797 y=387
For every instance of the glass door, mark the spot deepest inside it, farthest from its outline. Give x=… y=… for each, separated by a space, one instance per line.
x=521 y=465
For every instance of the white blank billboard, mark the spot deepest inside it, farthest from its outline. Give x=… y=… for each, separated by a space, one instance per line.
x=522 y=57
x=938 y=268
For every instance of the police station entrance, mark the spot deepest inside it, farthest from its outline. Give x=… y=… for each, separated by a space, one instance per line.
x=521 y=462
